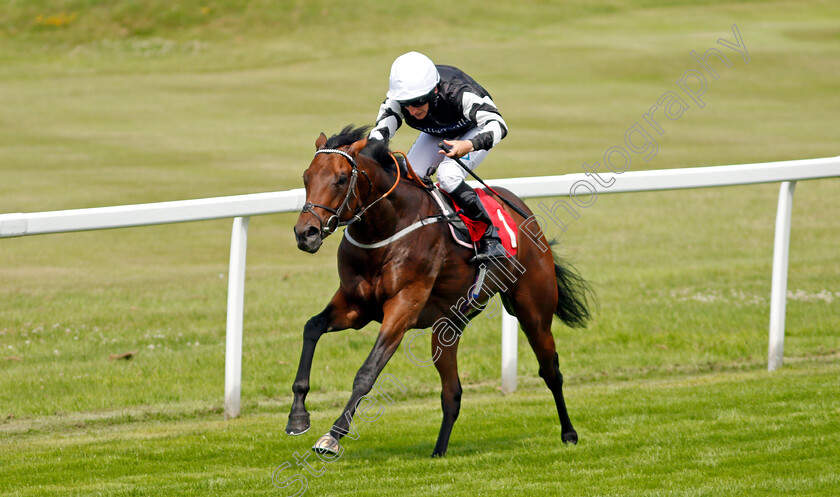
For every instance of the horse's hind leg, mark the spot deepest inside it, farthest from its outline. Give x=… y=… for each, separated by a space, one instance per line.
x=338 y=315
x=535 y=318
x=450 y=393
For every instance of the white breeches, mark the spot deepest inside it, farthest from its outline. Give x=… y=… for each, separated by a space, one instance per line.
x=425 y=155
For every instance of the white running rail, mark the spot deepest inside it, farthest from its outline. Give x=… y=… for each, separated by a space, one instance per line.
x=242 y=207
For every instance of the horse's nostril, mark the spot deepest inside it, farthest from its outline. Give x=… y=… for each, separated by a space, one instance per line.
x=311 y=232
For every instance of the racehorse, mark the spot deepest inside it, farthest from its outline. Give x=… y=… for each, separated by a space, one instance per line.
x=405 y=274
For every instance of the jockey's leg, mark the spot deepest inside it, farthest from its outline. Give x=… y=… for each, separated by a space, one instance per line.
x=423 y=155
x=490 y=245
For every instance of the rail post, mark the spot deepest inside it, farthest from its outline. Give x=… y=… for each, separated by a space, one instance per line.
x=510 y=326
x=778 y=291
x=235 y=314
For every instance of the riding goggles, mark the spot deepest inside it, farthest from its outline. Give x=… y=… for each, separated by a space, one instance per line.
x=419 y=101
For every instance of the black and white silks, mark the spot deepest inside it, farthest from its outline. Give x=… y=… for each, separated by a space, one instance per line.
x=460 y=104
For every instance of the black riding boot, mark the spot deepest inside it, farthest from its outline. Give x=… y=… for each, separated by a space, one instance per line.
x=490 y=245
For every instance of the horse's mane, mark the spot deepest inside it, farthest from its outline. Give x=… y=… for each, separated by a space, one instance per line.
x=375 y=149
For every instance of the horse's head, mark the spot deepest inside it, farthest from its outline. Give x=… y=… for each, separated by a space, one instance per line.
x=332 y=194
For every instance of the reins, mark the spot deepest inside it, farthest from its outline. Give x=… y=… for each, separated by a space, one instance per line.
x=409 y=171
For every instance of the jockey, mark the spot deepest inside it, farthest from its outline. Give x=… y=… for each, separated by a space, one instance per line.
x=445 y=104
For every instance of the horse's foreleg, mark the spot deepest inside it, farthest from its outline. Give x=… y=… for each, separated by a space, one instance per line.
x=338 y=315
x=399 y=314
x=450 y=393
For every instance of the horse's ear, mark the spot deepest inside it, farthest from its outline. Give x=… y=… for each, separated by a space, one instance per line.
x=320 y=142
x=358 y=146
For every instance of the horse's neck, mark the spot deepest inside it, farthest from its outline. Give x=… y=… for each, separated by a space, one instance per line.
x=403 y=206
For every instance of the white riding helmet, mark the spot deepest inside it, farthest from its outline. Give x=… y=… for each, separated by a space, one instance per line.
x=413 y=75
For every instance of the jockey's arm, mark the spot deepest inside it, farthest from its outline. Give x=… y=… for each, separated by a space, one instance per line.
x=388 y=120
x=484 y=113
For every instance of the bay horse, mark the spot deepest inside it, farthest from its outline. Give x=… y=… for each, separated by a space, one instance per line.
x=418 y=280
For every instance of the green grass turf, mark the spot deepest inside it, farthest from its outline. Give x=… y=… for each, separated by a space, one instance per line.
x=723 y=433
x=129 y=102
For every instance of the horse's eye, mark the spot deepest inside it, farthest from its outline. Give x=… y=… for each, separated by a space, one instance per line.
x=342 y=179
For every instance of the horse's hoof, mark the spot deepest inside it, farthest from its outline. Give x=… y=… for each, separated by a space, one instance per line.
x=298 y=424
x=327 y=445
x=570 y=438
x=437 y=454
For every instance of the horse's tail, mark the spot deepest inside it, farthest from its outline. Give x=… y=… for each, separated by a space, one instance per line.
x=573 y=295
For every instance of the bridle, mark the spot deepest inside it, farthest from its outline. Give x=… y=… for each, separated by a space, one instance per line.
x=332 y=223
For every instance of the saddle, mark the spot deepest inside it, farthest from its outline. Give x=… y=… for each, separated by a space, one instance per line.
x=457 y=226
x=465 y=232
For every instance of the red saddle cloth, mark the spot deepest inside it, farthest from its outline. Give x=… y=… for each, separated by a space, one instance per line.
x=503 y=222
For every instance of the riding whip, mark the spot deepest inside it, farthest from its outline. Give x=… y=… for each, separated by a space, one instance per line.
x=447 y=148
